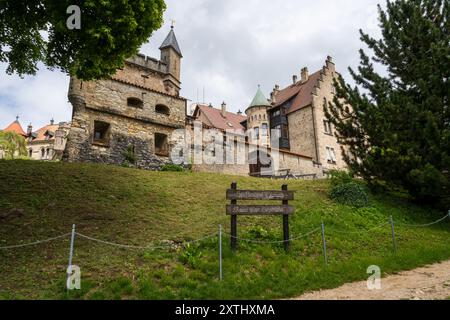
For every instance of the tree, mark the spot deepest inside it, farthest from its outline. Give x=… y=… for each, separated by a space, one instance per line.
x=110 y=31
x=12 y=144
x=397 y=129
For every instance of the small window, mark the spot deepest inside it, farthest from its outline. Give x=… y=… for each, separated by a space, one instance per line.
x=161 y=145
x=135 y=102
x=162 y=109
x=101 y=132
x=264 y=130
x=42 y=153
x=256 y=132
x=331 y=155
x=30 y=152
x=327 y=127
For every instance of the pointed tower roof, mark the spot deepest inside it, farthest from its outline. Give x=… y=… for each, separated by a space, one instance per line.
x=15 y=127
x=259 y=100
x=171 y=42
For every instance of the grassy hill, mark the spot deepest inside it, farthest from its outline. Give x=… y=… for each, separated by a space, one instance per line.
x=41 y=200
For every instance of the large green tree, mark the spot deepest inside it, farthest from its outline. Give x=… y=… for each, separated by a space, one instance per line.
x=398 y=127
x=12 y=144
x=33 y=31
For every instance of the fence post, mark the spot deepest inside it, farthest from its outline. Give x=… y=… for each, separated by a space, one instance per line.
x=234 y=222
x=394 y=243
x=72 y=240
x=284 y=187
x=324 y=241
x=220 y=253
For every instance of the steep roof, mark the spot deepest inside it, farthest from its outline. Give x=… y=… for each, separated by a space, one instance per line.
x=171 y=42
x=300 y=93
x=40 y=135
x=259 y=100
x=231 y=121
x=15 y=127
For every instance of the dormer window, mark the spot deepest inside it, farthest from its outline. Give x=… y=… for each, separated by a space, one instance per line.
x=162 y=109
x=135 y=102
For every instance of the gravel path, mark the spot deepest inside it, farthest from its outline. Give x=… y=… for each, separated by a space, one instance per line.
x=426 y=283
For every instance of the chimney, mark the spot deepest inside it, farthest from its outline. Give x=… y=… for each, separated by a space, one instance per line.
x=305 y=74
x=294 y=78
x=52 y=121
x=224 y=109
x=239 y=112
x=29 y=130
x=330 y=64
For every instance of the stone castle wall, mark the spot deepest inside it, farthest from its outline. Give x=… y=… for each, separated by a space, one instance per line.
x=129 y=126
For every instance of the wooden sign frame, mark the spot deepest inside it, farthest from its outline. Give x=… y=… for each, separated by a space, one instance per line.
x=234 y=210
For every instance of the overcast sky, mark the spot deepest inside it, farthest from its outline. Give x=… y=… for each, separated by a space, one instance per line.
x=229 y=47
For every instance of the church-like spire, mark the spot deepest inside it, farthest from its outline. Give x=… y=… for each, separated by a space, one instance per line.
x=171 y=42
x=259 y=100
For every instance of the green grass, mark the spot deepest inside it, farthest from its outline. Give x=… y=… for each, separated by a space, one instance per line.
x=138 y=207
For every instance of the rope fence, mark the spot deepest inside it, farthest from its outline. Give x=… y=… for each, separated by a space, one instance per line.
x=219 y=234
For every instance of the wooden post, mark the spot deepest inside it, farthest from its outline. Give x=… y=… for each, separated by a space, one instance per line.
x=284 y=187
x=234 y=222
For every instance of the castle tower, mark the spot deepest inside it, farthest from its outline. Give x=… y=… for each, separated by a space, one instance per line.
x=171 y=55
x=257 y=119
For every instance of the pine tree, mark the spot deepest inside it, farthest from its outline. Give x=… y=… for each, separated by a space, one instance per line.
x=397 y=129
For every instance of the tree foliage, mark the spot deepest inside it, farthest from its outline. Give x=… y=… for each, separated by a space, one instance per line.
x=397 y=129
x=35 y=31
x=12 y=144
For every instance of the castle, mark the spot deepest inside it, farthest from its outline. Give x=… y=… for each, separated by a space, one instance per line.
x=46 y=143
x=136 y=111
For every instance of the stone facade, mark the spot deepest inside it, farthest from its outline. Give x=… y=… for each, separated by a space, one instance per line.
x=130 y=117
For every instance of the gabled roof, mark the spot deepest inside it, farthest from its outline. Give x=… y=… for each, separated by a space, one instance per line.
x=15 y=127
x=300 y=93
x=231 y=121
x=171 y=41
x=44 y=131
x=259 y=100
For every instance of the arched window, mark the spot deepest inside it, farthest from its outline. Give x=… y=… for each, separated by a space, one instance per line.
x=42 y=153
x=135 y=102
x=162 y=109
x=30 y=152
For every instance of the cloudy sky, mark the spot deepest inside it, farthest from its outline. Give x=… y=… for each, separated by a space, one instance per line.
x=229 y=47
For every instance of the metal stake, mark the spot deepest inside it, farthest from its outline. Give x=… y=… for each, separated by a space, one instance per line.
x=220 y=253
x=72 y=240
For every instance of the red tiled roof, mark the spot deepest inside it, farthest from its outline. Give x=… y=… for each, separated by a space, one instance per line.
x=15 y=127
x=218 y=121
x=40 y=134
x=301 y=93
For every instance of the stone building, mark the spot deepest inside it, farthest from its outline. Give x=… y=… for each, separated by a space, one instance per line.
x=297 y=111
x=47 y=143
x=304 y=144
x=129 y=118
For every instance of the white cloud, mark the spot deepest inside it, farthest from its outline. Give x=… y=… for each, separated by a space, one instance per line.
x=229 y=47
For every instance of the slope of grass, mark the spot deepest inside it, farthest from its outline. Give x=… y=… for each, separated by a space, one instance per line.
x=138 y=207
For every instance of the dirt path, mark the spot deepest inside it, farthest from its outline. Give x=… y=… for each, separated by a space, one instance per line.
x=426 y=283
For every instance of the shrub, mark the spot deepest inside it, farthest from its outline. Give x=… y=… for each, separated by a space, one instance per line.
x=172 y=167
x=338 y=177
x=350 y=194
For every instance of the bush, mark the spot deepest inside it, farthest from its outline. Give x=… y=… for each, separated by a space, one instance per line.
x=172 y=167
x=350 y=194
x=338 y=177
